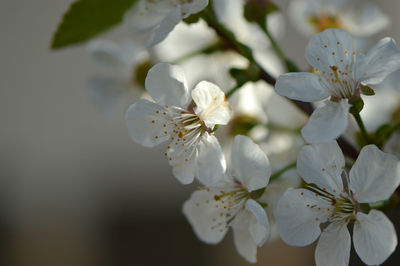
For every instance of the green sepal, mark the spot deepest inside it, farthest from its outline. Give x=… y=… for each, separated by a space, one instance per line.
x=194 y=18
x=262 y=204
x=256 y=194
x=87 y=18
x=366 y=90
x=357 y=104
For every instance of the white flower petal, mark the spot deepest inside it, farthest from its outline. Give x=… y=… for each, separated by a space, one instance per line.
x=333 y=248
x=139 y=120
x=327 y=122
x=378 y=63
x=184 y=169
x=108 y=54
x=167 y=85
x=211 y=164
x=204 y=216
x=299 y=12
x=299 y=214
x=242 y=237
x=166 y=26
x=211 y=104
x=301 y=86
x=365 y=21
x=259 y=229
x=105 y=93
x=249 y=165
x=327 y=48
x=322 y=164
x=144 y=16
x=375 y=175
x=374 y=237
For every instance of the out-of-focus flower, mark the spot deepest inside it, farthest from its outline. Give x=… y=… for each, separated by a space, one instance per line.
x=340 y=75
x=185 y=119
x=125 y=67
x=313 y=16
x=232 y=202
x=160 y=16
x=327 y=200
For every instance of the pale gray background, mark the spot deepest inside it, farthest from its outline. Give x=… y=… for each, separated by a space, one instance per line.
x=64 y=170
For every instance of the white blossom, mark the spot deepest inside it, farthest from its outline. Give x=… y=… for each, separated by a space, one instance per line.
x=184 y=120
x=313 y=16
x=340 y=73
x=160 y=16
x=330 y=204
x=232 y=202
x=108 y=88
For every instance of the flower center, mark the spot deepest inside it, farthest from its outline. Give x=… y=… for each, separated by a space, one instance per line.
x=324 y=21
x=227 y=205
x=337 y=71
x=343 y=206
x=184 y=129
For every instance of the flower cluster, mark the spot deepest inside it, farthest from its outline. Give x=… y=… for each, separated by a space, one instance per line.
x=289 y=154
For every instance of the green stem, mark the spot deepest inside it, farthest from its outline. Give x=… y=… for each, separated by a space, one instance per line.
x=278 y=173
x=229 y=37
x=361 y=125
x=291 y=67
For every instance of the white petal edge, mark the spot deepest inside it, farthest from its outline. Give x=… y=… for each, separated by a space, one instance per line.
x=301 y=86
x=378 y=63
x=375 y=175
x=322 y=164
x=242 y=238
x=327 y=122
x=374 y=237
x=249 y=165
x=260 y=230
x=167 y=85
x=334 y=244
x=366 y=21
x=211 y=104
x=165 y=26
x=211 y=163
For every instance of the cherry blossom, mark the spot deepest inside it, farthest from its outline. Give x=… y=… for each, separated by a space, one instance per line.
x=185 y=121
x=327 y=204
x=232 y=202
x=340 y=74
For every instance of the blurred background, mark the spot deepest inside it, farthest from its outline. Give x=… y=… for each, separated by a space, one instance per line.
x=74 y=189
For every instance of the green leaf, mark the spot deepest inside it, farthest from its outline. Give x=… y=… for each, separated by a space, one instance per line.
x=88 y=18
